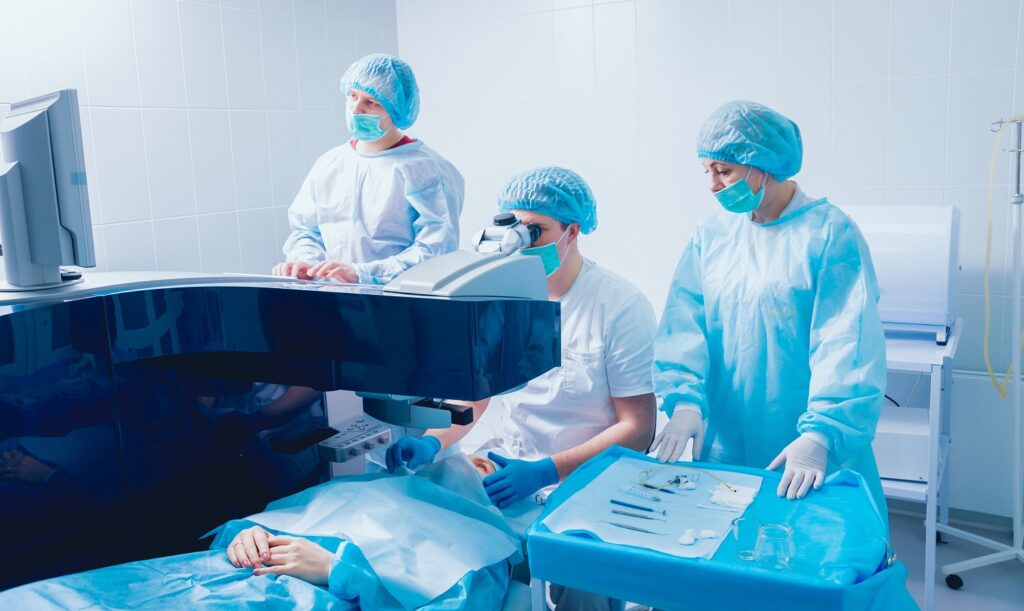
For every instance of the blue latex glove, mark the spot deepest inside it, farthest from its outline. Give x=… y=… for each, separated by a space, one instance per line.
x=518 y=479
x=412 y=452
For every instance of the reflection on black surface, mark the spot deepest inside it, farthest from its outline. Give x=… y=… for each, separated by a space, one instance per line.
x=131 y=424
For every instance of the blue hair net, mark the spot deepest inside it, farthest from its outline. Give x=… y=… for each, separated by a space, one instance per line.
x=556 y=192
x=748 y=133
x=389 y=80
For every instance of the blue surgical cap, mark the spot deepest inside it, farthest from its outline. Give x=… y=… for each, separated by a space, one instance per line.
x=751 y=134
x=389 y=80
x=556 y=192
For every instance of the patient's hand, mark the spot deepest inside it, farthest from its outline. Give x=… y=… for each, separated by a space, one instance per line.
x=24 y=467
x=297 y=557
x=249 y=548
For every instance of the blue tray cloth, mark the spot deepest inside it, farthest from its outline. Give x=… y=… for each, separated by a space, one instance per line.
x=840 y=538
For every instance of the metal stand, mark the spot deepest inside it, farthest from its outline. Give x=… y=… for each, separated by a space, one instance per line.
x=921 y=355
x=1015 y=551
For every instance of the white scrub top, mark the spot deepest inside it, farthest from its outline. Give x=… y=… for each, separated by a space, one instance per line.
x=608 y=327
x=381 y=212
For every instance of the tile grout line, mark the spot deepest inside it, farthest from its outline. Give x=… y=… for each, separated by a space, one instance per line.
x=142 y=125
x=188 y=132
x=231 y=133
x=85 y=80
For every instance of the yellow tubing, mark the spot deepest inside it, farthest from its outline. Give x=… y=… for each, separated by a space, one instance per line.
x=1000 y=386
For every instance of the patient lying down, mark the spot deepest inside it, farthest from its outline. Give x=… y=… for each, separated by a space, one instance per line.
x=427 y=540
x=269 y=554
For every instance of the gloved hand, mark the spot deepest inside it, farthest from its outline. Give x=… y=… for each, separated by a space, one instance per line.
x=684 y=425
x=412 y=452
x=806 y=461
x=518 y=479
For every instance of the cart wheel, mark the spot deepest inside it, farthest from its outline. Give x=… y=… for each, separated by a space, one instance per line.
x=954 y=582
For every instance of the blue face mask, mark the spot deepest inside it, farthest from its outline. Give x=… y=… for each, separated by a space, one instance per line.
x=739 y=198
x=366 y=127
x=548 y=254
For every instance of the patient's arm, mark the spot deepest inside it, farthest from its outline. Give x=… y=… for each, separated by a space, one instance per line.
x=456 y=432
x=297 y=557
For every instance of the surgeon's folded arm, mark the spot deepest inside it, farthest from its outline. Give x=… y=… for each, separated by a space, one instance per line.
x=634 y=428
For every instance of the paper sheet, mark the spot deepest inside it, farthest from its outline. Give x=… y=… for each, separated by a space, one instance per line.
x=589 y=510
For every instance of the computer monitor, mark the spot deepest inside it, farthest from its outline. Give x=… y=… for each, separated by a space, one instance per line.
x=44 y=202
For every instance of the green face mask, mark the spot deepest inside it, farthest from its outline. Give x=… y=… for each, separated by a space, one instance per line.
x=366 y=127
x=739 y=198
x=548 y=254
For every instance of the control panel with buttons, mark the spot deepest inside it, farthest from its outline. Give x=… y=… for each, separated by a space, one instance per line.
x=355 y=437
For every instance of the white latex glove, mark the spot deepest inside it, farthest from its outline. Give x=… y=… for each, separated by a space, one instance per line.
x=684 y=425
x=806 y=461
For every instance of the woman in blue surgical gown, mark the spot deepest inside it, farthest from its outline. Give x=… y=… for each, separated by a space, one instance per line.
x=770 y=351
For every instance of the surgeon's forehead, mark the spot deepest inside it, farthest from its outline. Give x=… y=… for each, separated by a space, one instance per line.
x=529 y=216
x=362 y=94
x=718 y=166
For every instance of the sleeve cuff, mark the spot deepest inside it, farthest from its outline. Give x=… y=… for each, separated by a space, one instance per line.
x=620 y=393
x=363 y=276
x=682 y=406
x=819 y=438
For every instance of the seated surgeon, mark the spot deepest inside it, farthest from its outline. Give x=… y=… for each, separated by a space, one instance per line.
x=382 y=202
x=602 y=395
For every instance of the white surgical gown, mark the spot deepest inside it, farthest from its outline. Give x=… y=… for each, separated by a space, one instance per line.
x=772 y=330
x=607 y=329
x=382 y=213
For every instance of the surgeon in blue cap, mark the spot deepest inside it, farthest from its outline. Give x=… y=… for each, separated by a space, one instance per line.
x=770 y=352
x=601 y=395
x=382 y=202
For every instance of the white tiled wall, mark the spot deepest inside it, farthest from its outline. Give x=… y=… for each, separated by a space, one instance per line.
x=200 y=119
x=894 y=99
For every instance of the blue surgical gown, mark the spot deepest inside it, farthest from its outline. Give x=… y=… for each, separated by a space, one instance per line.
x=381 y=212
x=772 y=330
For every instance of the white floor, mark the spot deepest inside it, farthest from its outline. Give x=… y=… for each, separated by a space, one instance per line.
x=994 y=588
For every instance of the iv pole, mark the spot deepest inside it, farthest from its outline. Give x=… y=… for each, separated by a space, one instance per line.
x=1015 y=551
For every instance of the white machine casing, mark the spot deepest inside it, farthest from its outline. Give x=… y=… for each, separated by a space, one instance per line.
x=901 y=443
x=915 y=254
x=475 y=274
